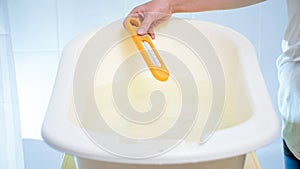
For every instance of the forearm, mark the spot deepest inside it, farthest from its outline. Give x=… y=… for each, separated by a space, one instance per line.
x=177 y=6
x=155 y=12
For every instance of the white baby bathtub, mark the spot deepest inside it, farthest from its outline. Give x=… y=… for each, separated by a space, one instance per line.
x=248 y=120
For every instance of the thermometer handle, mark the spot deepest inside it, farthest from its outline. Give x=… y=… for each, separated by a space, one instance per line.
x=147 y=49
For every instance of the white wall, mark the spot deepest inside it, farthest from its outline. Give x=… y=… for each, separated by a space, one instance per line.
x=40 y=30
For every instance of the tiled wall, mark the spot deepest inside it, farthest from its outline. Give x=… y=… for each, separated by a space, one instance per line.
x=41 y=28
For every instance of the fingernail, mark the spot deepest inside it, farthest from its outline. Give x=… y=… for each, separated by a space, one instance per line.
x=141 y=32
x=153 y=36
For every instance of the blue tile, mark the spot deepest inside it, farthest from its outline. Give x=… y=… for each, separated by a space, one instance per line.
x=33 y=25
x=35 y=75
x=75 y=18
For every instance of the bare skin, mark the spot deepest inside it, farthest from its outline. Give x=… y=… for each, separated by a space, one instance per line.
x=155 y=12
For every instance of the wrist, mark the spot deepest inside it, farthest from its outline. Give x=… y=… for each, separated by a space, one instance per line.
x=166 y=6
x=171 y=5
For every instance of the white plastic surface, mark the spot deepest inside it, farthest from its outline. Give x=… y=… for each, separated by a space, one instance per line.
x=243 y=127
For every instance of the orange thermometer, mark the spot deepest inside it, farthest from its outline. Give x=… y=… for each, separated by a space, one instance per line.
x=147 y=50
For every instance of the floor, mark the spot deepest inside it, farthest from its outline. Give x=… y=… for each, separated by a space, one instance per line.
x=271 y=156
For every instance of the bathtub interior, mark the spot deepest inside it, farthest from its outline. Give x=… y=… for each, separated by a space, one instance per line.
x=237 y=104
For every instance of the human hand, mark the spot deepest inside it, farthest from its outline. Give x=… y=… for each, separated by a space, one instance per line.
x=151 y=14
